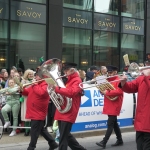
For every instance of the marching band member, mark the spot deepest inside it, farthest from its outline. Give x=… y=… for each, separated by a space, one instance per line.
x=140 y=85
x=37 y=107
x=66 y=120
x=12 y=104
x=112 y=109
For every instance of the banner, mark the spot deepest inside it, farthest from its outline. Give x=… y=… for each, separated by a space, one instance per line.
x=90 y=115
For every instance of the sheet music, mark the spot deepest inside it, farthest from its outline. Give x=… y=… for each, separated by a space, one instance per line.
x=101 y=79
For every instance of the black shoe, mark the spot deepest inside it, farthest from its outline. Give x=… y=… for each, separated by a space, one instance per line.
x=118 y=143
x=53 y=146
x=101 y=144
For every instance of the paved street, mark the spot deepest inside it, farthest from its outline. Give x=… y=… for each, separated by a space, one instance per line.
x=88 y=142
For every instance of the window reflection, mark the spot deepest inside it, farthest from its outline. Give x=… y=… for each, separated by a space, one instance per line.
x=105 y=48
x=106 y=6
x=133 y=8
x=28 y=43
x=78 y=4
x=77 y=47
x=3 y=43
x=36 y=1
x=4 y=9
x=132 y=45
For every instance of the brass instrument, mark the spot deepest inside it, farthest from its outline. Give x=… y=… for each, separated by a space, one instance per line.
x=105 y=85
x=134 y=70
x=28 y=84
x=52 y=69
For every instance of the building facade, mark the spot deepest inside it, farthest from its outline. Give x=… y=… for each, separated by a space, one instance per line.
x=87 y=32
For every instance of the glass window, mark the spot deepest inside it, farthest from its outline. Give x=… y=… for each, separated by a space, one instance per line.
x=78 y=4
x=106 y=22
x=4 y=11
x=36 y=1
x=28 y=12
x=105 y=50
x=77 y=18
x=133 y=45
x=28 y=43
x=106 y=6
x=132 y=26
x=3 y=43
x=77 y=47
x=133 y=8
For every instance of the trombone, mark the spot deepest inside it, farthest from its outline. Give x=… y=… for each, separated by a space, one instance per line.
x=134 y=70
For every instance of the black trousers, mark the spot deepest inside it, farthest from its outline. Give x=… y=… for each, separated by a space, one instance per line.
x=37 y=128
x=143 y=140
x=51 y=113
x=112 y=125
x=66 y=138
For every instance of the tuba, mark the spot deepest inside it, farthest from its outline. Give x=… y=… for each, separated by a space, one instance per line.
x=52 y=69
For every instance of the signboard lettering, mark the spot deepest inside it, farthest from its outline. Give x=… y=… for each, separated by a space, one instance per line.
x=29 y=13
x=76 y=18
x=106 y=22
x=23 y=11
x=132 y=26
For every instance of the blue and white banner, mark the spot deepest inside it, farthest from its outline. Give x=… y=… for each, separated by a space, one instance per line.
x=90 y=115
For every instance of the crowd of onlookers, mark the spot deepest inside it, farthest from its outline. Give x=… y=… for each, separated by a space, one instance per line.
x=13 y=104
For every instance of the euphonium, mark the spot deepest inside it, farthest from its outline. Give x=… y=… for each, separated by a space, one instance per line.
x=51 y=69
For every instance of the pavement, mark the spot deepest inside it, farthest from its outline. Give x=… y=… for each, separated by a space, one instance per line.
x=88 y=139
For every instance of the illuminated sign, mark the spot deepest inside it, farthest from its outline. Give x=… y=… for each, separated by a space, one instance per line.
x=106 y=22
x=28 y=12
x=132 y=26
x=76 y=18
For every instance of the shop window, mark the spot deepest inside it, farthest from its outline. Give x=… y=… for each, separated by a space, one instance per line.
x=4 y=11
x=77 y=47
x=78 y=4
x=28 y=12
x=106 y=6
x=28 y=43
x=105 y=51
x=133 y=8
x=133 y=45
x=3 y=43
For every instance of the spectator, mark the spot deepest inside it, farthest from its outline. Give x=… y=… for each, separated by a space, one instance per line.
x=82 y=75
x=103 y=70
x=27 y=78
x=12 y=104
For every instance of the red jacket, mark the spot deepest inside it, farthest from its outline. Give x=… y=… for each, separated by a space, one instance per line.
x=73 y=91
x=37 y=101
x=113 y=107
x=142 y=116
